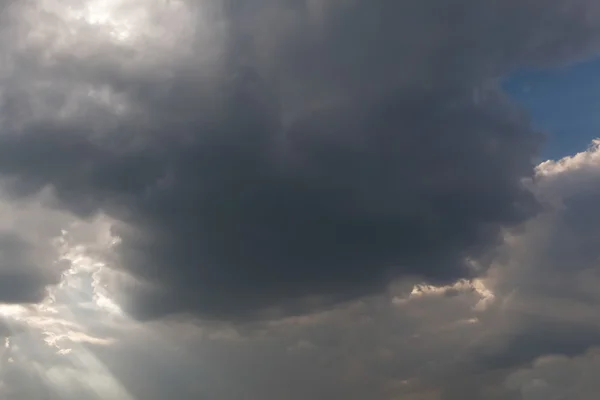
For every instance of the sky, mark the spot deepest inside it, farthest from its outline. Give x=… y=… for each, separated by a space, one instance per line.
x=308 y=199
x=563 y=102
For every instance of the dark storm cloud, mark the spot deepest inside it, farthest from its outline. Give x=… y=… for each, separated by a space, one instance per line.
x=331 y=147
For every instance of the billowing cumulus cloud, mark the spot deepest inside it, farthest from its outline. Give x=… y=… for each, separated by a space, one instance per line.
x=339 y=190
x=286 y=155
x=548 y=273
x=492 y=338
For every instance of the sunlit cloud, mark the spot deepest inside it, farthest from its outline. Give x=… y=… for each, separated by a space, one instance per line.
x=326 y=199
x=161 y=24
x=55 y=339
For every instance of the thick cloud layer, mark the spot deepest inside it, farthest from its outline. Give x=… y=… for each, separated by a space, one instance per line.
x=559 y=377
x=283 y=156
x=486 y=339
x=545 y=277
x=30 y=258
x=275 y=158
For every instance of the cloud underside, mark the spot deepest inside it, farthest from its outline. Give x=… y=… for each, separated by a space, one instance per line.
x=284 y=157
x=286 y=172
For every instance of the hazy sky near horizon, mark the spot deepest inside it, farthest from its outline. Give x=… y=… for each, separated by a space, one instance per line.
x=299 y=199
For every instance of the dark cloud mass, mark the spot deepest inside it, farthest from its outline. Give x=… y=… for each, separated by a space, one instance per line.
x=311 y=153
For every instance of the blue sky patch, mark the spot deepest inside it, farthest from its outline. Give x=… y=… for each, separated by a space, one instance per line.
x=563 y=103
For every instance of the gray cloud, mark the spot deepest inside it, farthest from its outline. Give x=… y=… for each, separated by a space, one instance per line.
x=241 y=186
x=293 y=155
x=29 y=254
x=21 y=279
x=545 y=276
x=558 y=377
x=279 y=159
x=451 y=343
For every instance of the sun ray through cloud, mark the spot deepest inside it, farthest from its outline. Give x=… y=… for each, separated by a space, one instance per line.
x=305 y=199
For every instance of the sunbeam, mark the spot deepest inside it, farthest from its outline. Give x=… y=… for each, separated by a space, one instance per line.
x=59 y=329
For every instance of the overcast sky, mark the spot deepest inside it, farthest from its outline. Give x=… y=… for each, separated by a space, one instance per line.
x=294 y=199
